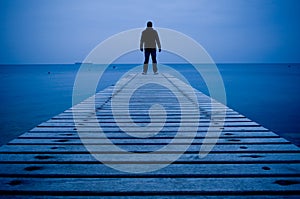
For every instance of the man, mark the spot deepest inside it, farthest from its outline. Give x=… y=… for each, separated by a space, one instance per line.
x=148 y=42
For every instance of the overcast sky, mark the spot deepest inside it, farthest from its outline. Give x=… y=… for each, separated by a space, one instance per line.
x=65 y=31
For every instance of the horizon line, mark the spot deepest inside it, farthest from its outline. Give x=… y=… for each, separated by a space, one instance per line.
x=164 y=63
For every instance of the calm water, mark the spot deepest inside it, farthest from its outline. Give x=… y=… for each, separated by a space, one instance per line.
x=266 y=93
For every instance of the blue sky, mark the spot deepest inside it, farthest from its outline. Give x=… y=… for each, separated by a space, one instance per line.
x=65 y=31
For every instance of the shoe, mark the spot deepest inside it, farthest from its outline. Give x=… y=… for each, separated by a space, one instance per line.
x=144 y=73
x=156 y=73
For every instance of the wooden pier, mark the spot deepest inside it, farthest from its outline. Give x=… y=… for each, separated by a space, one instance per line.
x=51 y=160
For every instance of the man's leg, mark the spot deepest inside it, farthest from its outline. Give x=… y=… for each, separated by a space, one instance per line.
x=145 y=69
x=147 y=55
x=154 y=62
x=154 y=66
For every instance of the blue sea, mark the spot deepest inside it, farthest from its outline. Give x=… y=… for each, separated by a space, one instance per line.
x=266 y=93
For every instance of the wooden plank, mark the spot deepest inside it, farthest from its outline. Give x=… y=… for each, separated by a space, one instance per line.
x=159 y=141
x=121 y=158
x=146 y=186
x=157 y=122
x=173 y=170
x=216 y=112
x=171 y=129
x=54 y=134
x=219 y=148
x=142 y=115
x=139 y=119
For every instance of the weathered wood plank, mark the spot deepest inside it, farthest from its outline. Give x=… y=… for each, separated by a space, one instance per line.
x=219 y=148
x=215 y=112
x=120 y=158
x=156 y=196
x=157 y=122
x=144 y=186
x=171 y=129
x=54 y=134
x=140 y=119
x=138 y=141
x=173 y=170
x=142 y=115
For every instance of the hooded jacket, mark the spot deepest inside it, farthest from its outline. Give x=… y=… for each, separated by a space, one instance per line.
x=149 y=39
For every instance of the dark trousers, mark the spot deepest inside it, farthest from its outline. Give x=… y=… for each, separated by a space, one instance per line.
x=149 y=51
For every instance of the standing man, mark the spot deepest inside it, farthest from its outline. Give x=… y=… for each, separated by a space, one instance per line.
x=148 y=42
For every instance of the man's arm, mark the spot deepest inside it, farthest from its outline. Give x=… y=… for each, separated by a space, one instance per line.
x=157 y=41
x=141 y=42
